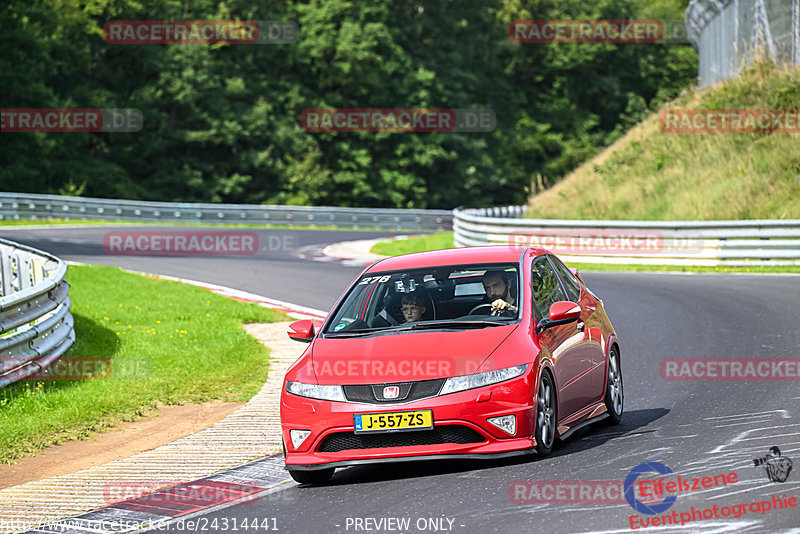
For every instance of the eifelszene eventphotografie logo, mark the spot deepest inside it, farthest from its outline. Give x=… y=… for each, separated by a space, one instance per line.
x=630 y=496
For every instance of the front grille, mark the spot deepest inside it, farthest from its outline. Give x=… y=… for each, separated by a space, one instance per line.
x=372 y=393
x=342 y=441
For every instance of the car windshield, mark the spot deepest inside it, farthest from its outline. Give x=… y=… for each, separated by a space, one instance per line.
x=467 y=296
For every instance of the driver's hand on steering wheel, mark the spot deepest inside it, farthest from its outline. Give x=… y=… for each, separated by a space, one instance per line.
x=500 y=305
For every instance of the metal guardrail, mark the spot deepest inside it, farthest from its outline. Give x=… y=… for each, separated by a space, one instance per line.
x=36 y=327
x=727 y=33
x=14 y=206
x=709 y=243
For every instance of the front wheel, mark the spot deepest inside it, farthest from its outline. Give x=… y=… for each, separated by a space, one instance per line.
x=545 y=432
x=313 y=477
x=614 y=393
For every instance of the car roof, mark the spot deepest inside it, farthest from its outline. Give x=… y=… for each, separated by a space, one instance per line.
x=454 y=256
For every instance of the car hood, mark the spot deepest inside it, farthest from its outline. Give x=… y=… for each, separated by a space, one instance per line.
x=404 y=357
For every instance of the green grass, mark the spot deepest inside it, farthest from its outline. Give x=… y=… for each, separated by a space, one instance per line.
x=102 y=222
x=652 y=175
x=396 y=247
x=168 y=343
x=445 y=240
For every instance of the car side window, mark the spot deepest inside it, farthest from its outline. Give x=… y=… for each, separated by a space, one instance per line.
x=570 y=282
x=546 y=289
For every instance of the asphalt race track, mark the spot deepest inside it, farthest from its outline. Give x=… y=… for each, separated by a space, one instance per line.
x=696 y=428
x=274 y=271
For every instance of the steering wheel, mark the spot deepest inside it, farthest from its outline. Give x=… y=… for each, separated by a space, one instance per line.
x=494 y=313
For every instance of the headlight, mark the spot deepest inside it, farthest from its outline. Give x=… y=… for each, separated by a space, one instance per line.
x=314 y=391
x=460 y=383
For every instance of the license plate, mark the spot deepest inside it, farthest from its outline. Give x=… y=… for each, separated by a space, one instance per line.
x=393 y=421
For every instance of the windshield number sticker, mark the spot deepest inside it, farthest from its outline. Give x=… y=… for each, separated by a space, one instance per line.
x=373 y=279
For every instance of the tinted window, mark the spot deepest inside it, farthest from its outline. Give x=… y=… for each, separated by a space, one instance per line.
x=394 y=299
x=546 y=290
x=572 y=284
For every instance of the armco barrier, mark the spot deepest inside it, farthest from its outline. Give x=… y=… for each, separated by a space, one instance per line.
x=14 y=206
x=36 y=327
x=709 y=243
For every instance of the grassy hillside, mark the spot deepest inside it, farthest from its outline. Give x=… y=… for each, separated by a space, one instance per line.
x=649 y=174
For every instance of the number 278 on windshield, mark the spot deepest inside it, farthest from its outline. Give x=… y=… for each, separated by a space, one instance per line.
x=373 y=279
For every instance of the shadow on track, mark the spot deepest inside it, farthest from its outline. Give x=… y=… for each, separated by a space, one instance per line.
x=593 y=436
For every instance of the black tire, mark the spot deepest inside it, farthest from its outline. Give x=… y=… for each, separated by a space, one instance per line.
x=615 y=397
x=546 y=415
x=313 y=477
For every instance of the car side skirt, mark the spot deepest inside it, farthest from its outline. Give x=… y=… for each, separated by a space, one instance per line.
x=582 y=424
x=347 y=463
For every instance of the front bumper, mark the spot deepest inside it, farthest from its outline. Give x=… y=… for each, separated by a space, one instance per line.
x=466 y=409
x=442 y=456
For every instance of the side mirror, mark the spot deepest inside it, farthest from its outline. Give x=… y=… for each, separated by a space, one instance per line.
x=561 y=312
x=302 y=330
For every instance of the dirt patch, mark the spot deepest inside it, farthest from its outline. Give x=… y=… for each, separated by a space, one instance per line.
x=171 y=423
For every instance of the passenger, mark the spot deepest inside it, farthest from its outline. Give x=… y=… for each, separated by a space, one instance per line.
x=413 y=307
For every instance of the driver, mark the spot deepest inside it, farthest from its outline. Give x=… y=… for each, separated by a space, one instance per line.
x=497 y=286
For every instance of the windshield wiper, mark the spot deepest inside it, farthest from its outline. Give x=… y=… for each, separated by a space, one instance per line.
x=357 y=333
x=419 y=326
x=453 y=324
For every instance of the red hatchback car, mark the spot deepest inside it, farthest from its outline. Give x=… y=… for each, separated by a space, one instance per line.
x=479 y=352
